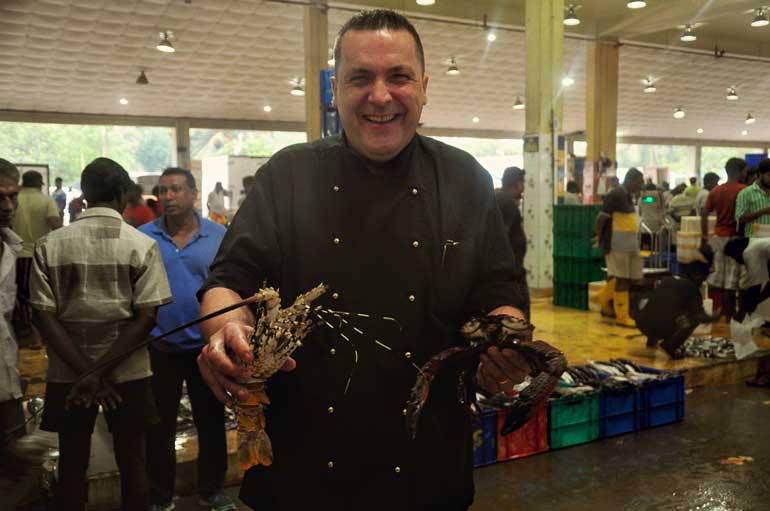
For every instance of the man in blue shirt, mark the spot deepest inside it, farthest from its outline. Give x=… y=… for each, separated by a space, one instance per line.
x=188 y=244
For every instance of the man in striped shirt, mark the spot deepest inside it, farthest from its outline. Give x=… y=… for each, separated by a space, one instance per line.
x=752 y=207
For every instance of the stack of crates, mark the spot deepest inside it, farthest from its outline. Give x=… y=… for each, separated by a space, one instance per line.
x=575 y=261
x=491 y=446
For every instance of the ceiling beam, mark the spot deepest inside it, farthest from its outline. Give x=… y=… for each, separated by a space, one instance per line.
x=136 y=120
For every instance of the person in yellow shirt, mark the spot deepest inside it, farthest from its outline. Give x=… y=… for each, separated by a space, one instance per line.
x=36 y=216
x=617 y=232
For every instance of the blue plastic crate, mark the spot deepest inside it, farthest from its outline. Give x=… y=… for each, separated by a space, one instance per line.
x=620 y=412
x=662 y=400
x=485 y=438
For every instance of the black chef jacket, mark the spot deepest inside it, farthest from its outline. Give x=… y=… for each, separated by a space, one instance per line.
x=423 y=243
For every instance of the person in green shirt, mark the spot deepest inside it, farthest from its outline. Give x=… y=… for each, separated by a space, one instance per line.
x=752 y=207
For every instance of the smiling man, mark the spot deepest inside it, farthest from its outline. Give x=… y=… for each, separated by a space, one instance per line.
x=396 y=225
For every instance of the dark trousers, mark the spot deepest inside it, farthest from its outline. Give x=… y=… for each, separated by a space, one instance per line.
x=169 y=371
x=74 y=453
x=21 y=315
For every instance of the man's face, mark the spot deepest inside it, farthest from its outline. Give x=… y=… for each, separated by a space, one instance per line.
x=517 y=189
x=379 y=91
x=765 y=180
x=58 y=183
x=176 y=195
x=9 y=200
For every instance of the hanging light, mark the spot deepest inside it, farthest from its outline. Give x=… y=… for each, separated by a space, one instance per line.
x=649 y=86
x=142 y=80
x=426 y=2
x=567 y=81
x=297 y=90
x=123 y=101
x=491 y=36
x=636 y=4
x=679 y=113
x=476 y=120
x=760 y=20
x=699 y=131
x=267 y=108
x=518 y=104
x=688 y=35
x=732 y=95
x=165 y=42
x=750 y=119
x=571 y=19
x=744 y=133
x=453 y=70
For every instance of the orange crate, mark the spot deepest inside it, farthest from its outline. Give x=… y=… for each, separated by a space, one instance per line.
x=531 y=438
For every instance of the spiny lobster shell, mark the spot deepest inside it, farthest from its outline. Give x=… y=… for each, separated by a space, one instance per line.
x=504 y=332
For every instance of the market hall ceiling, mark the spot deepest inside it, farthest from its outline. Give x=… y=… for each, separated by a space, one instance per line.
x=234 y=57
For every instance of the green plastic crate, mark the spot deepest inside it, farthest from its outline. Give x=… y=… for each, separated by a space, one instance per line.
x=574 y=296
x=576 y=247
x=572 y=270
x=577 y=221
x=573 y=420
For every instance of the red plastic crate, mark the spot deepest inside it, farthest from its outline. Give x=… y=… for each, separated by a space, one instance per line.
x=531 y=438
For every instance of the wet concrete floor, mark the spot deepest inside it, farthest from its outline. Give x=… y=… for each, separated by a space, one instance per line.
x=670 y=468
x=677 y=467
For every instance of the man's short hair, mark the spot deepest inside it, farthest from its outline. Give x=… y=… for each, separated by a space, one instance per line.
x=104 y=180
x=8 y=171
x=764 y=166
x=735 y=166
x=710 y=177
x=511 y=175
x=572 y=187
x=247 y=181
x=57 y=180
x=633 y=173
x=32 y=179
x=179 y=171
x=377 y=19
x=693 y=180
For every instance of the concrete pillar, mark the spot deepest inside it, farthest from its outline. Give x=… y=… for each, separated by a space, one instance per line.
x=602 y=99
x=545 y=43
x=316 y=56
x=181 y=157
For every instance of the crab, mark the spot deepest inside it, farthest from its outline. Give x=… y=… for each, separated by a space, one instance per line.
x=504 y=332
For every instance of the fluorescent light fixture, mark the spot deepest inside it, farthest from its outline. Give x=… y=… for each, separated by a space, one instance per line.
x=571 y=19
x=518 y=105
x=699 y=131
x=123 y=101
x=165 y=42
x=567 y=81
x=679 y=113
x=636 y=4
x=750 y=119
x=267 y=108
x=142 y=79
x=760 y=20
x=744 y=133
x=476 y=120
x=688 y=36
x=425 y=2
x=453 y=70
x=731 y=94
